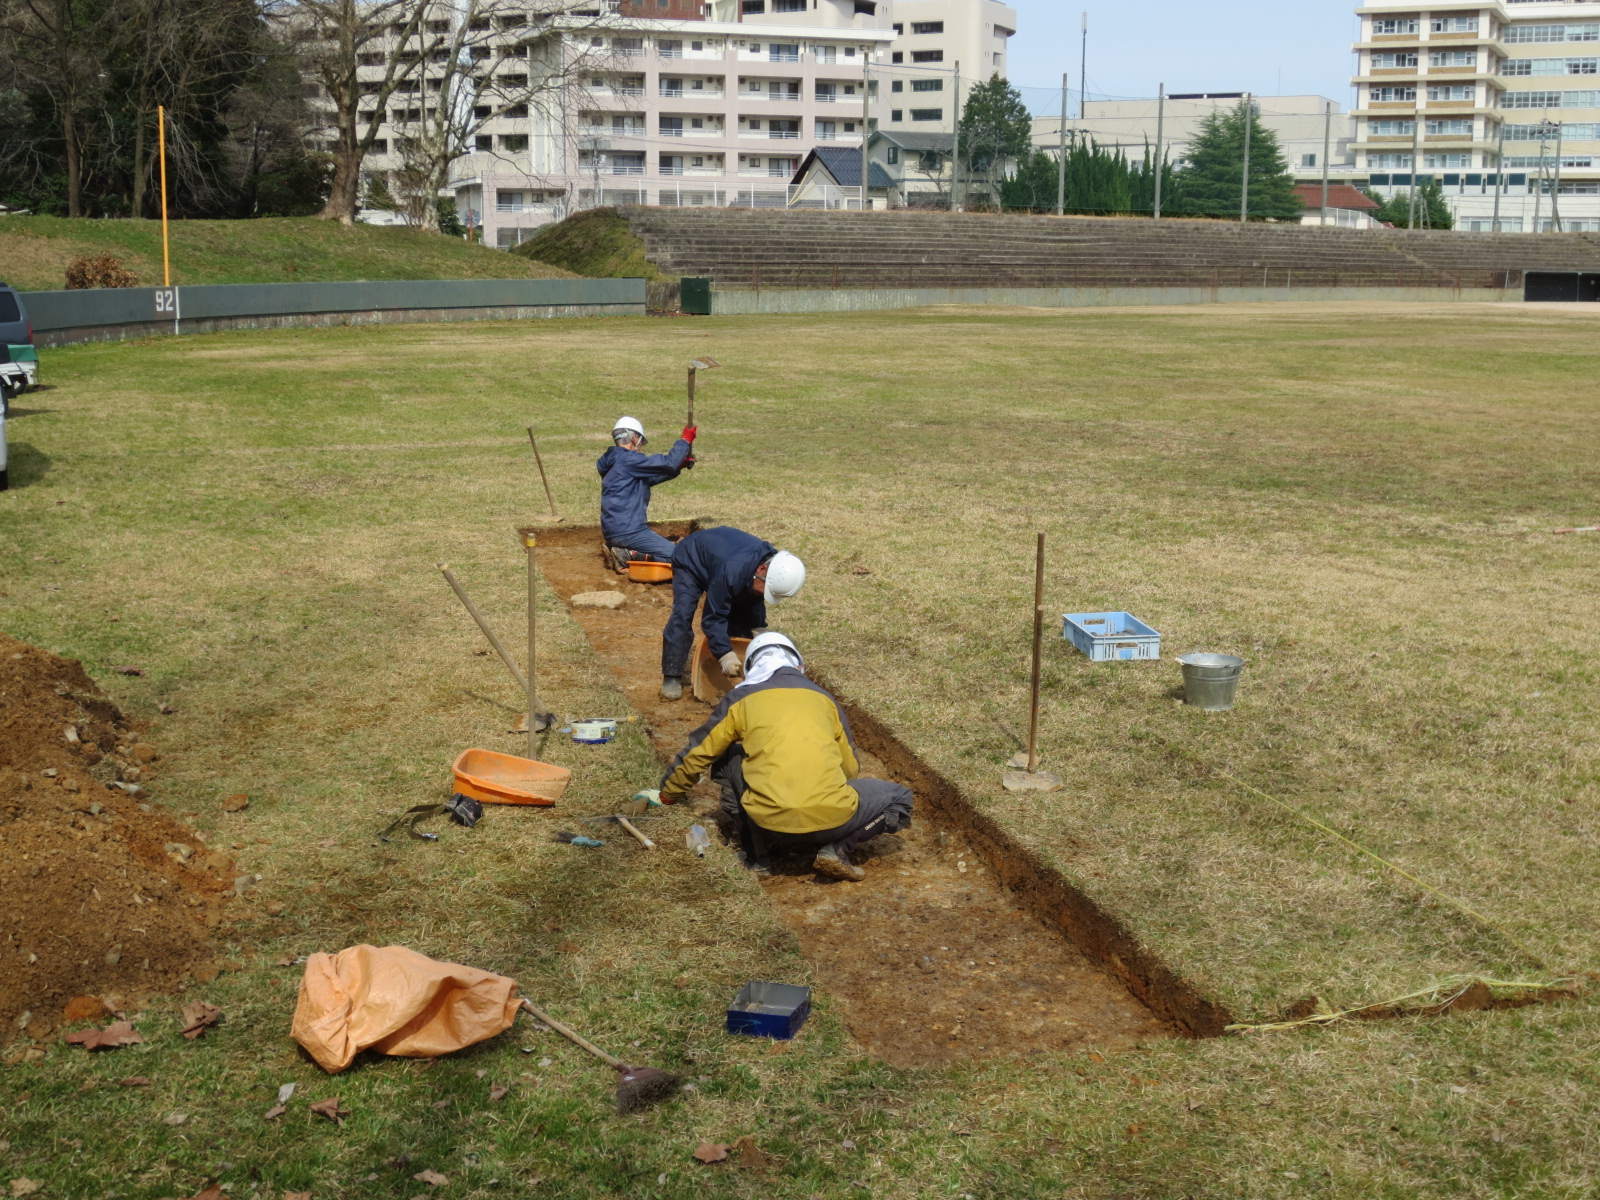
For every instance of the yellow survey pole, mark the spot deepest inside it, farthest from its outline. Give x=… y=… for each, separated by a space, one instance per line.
x=161 y=143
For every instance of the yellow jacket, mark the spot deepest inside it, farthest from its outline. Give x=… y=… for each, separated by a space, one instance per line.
x=799 y=755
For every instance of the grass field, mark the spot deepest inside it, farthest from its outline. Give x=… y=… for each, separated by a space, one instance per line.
x=1356 y=500
x=35 y=252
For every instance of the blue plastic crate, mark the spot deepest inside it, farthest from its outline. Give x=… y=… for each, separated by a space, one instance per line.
x=1111 y=636
x=774 y=1010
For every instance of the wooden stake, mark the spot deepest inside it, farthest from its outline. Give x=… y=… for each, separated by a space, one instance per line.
x=499 y=647
x=534 y=706
x=1038 y=648
x=542 y=477
x=161 y=141
x=690 y=421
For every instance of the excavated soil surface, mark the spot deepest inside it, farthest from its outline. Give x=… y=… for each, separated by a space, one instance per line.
x=91 y=900
x=935 y=957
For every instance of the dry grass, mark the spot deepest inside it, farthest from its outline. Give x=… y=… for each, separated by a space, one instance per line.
x=1355 y=500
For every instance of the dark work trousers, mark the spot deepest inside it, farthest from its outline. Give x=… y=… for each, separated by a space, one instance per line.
x=677 y=639
x=646 y=541
x=882 y=807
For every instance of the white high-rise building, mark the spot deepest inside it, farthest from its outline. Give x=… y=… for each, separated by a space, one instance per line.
x=934 y=39
x=1499 y=102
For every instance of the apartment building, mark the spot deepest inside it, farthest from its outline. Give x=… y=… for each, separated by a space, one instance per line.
x=934 y=39
x=1499 y=102
x=713 y=111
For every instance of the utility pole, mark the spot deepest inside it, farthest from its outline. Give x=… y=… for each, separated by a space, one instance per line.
x=1083 y=69
x=955 y=143
x=1538 y=189
x=1555 y=192
x=1416 y=166
x=866 y=117
x=1500 y=177
x=1061 y=150
x=1244 y=181
x=1161 y=121
x=1327 y=140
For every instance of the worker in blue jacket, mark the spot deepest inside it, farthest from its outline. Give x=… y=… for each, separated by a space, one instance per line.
x=737 y=573
x=626 y=477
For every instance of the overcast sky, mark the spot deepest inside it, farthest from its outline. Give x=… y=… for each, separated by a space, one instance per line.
x=1223 y=46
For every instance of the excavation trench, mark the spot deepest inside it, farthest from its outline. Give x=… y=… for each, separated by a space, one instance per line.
x=960 y=944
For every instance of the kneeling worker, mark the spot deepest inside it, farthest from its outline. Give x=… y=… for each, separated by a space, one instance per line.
x=626 y=477
x=737 y=573
x=781 y=748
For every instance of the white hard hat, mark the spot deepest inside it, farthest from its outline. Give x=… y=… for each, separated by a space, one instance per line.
x=786 y=575
x=629 y=425
x=766 y=641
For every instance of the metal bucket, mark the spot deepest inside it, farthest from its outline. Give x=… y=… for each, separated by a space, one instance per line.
x=1210 y=680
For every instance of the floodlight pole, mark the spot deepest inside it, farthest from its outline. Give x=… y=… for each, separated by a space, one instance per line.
x=1327 y=141
x=1416 y=163
x=1061 y=151
x=955 y=142
x=1500 y=176
x=1161 y=122
x=1244 y=189
x=866 y=117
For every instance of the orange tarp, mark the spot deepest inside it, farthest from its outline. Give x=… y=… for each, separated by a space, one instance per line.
x=396 y=1001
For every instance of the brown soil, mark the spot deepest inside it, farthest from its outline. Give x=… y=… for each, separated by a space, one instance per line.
x=937 y=956
x=91 y=901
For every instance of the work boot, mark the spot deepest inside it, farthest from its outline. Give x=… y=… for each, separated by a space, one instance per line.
x=671 y=687
x=833 y=862
x=620 y=559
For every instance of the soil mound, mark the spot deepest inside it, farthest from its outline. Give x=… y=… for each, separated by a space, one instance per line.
x=92 y=900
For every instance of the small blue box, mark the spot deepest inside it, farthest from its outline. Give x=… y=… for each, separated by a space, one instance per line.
x=1111 y=636
x=774 y=1010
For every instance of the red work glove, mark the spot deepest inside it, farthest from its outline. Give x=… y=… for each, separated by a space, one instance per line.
x=689 y=432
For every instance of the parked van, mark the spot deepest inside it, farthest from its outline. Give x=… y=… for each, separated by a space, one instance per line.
x=19 y=361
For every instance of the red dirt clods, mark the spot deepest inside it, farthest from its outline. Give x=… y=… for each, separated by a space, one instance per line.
x=92 y=901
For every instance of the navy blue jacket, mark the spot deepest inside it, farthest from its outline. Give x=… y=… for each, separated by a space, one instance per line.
x=626 y=477
x=722 y=562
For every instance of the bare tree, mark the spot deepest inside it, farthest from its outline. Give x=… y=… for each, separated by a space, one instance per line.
x=53 y=45
x=439 y=118
x=337 y=39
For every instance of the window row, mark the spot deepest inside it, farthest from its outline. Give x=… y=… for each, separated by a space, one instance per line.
x=1388 y=162
x=1388 y=60
x=917 y=114
x=1444 y=127
x=1571 y=131
x=1550 y=100
x=1552 y=33
x=1436 y=91
x=1383 y=26
x=1580 y=161
x=1550 y=66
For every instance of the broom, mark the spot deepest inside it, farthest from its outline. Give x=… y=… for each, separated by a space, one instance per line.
x=637 y=1088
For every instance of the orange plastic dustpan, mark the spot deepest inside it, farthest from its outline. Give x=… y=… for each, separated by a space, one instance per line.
x=497 y=778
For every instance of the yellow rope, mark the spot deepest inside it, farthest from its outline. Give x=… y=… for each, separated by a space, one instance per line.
x=1397 y=869
x=1460 y=982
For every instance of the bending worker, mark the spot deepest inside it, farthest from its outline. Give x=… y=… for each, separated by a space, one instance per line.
x=626 y=477
x=780 y=747
x=737 y=573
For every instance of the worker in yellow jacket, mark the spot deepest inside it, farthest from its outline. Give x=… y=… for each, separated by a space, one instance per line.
x=780 y=746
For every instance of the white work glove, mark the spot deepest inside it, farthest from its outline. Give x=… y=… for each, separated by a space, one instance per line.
x=651 y=796
x=730 y=664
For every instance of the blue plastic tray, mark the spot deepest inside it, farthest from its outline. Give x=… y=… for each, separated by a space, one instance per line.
x=774 y=1010
x=1111 y=636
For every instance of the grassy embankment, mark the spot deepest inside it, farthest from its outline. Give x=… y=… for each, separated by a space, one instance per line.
x=35 y=251
x=1358 y=502
x=597 y=243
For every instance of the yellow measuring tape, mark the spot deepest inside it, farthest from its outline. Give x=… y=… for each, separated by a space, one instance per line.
x=1456 y=985
x=1395 y=867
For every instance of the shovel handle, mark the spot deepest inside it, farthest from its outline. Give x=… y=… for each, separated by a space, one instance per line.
x=573 y=1036
x=633 y=829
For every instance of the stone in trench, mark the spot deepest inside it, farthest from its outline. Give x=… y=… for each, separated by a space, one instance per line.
x=598 y=600
x=143 y=751
x=1031 y=781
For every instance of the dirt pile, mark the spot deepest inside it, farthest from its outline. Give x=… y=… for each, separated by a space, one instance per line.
x=92 y=900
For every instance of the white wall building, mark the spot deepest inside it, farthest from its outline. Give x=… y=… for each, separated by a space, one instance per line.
x=933 y=40
x=1499 y=102
x=1301 y=123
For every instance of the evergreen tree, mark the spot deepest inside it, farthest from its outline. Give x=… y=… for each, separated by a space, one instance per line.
x=995 y=127
x=1432 y=211
x=1209 y=184
x=1098 y=181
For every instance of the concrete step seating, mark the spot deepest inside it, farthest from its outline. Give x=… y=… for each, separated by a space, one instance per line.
x=781 y=248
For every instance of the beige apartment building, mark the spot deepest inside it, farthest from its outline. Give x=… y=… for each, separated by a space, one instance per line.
x=1499 y=102
x=934 y=40
x=682 y=102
